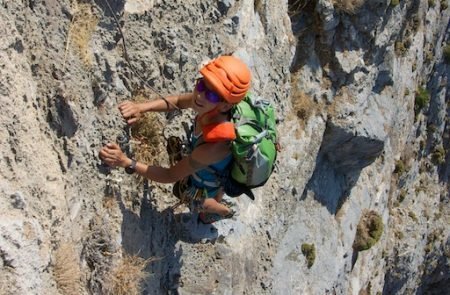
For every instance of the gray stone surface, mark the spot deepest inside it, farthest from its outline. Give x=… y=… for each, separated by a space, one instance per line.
x=358 y=94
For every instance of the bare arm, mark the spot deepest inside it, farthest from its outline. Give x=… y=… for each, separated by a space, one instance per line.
x=132 y=111
x=182 y=101
x=201 y=157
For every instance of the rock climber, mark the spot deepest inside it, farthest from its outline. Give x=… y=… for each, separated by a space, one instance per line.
x=224 y=82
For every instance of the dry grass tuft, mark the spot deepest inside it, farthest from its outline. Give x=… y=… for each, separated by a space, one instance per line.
x=67 y=270
x=126 y=277
x=303 y=106
x=348 y=6
x=147 y=136
x=343 y=97
x=81 y=30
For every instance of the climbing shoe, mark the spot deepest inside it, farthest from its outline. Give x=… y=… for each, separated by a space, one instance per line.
x=209 y=218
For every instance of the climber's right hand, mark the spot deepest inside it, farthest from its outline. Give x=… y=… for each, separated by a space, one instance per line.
x=130 y=111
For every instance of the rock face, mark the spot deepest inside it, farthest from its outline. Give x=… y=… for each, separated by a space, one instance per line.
x=343 y=76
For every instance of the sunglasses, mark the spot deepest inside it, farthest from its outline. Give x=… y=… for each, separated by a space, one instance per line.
x=210 y=96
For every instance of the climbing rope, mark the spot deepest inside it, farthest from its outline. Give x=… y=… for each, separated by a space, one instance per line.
x=176 y=108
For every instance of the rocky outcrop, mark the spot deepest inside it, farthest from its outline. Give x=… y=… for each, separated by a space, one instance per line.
x=343 y=77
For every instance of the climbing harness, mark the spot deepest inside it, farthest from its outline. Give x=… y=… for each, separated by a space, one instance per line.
x=188 y=195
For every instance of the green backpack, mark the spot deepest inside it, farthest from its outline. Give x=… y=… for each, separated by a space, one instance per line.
x=254 y=149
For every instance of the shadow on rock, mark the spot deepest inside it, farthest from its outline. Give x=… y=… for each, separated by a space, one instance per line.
x=342 y=156
x=155 y=234
x=106 y=6
x=331 y=187
x=61 y=117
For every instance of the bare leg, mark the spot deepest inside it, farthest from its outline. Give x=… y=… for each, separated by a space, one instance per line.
x=219 y=195
x=213 y=205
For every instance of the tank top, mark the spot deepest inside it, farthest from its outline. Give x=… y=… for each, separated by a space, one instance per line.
x=208 y=177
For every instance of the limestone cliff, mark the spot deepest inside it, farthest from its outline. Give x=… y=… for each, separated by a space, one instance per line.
x=361 y=94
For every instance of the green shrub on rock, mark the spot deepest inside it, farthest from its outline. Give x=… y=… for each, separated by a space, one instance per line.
x=438 y=156
x=421 y=100
x=413 y=216
x=446 y=53
x=369 y=230
x=402 y=195
x=400 y=48
x=309 y=251
x=399 y=167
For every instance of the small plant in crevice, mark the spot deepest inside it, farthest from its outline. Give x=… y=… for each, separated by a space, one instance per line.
x=444 y=5
x=402 y=195
x=303 y=106
x=438 y=214
x=422 y=145
x=431 y=128
x=399 y=235
x=395 y=2
x=429 y=56
x=438 y=156
x=408 y=42
x=421 y=99
x=367 y=290
x=415 y=23
x=419 y=188
x=425 y=167
x=400 y=48
x=433 y=237
x=446 y=53
x=413 y=216
x=431 y=3
x=369 y=230
x=348 y=6
x=428 y=248
x=400 y=167
x=309 y=251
